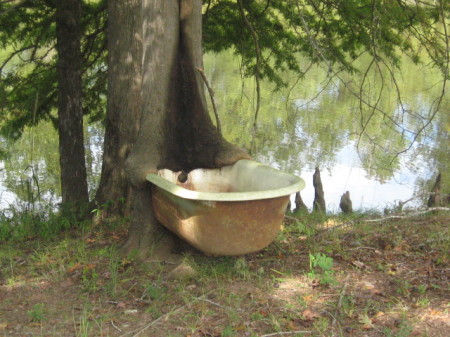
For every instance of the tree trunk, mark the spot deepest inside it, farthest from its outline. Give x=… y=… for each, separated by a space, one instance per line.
x=346 y=203
x=435 y=196
x=173 y=126
x=70 y=114
x=124 y=103
x=300 y=206
x=319 y=199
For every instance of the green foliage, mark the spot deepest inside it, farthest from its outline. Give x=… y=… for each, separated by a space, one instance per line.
x=320 y=267
x=332 y=32
x=28 y=63
x=36 y=314
x=16 y=224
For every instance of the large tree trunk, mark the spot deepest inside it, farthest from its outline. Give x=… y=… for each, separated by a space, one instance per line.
x=70 y=114
x=124 y=103
x=173 y=126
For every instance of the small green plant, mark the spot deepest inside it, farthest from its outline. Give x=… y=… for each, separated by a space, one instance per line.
x=423 y=302
x=89 y=279
x=349 y=305
x=154 y=292
x=320 y=267
x=242 y=268
x=227 y=332
x=83 y=326
x=404 y=330
x=36 y=314
x=422 y=288
x=403 y=287
x=114 y=264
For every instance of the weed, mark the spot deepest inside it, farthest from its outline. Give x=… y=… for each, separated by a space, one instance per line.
x=404 y=330
x=114 y=272
x=154 y=292
x=83 y=326
x=228 y=332
x=89 y=279
x=36 y=314
x=320 y=267
x=423 y=302
x=242 y=268
x=422 y=288
x=349 y=305
x=322 y=324
x=403 y=287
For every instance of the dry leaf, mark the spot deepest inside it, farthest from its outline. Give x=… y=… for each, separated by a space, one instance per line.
x=310 y=315
x=89 y=266
x=75 y=267
x=359 y=264
x=3 y=326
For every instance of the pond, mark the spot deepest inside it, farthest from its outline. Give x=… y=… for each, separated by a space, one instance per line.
x=314 y=122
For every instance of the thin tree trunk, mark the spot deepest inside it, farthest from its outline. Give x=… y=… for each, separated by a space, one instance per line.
x=70 y=114
x=435 y=196
x=319 y=199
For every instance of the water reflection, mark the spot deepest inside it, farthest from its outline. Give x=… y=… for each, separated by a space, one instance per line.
x=317 y=122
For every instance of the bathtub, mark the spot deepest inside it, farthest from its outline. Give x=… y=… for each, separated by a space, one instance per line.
x=235 y=210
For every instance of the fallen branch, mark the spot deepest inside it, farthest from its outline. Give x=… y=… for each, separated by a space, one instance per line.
x=281 y=333
x=391 y=217
x=431 y=209
x=219 y=305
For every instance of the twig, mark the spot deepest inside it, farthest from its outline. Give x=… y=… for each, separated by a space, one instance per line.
x=211 y=95
x=219 y=305
x=285 y=333
x=115 y=327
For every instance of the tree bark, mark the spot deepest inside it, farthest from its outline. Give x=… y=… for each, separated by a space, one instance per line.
x=319 y=199
x=172 y=126
x=124 y=104
x=70 y=114
x=346 y=203
x=299 y=204
x=435 y=196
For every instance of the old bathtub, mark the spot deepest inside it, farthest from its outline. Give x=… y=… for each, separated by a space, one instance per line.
x=234 y=210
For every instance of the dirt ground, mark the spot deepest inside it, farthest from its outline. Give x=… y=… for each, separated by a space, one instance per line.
x=336 y=277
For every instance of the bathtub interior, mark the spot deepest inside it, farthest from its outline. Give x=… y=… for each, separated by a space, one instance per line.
x=243 y=176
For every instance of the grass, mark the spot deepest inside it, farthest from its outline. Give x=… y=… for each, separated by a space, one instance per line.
x=323 y=276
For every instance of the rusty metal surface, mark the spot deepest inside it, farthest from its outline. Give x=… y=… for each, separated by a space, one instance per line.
x=221 y=227
x=224 y=227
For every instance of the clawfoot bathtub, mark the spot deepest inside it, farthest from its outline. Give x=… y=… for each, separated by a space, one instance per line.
x=235 y=210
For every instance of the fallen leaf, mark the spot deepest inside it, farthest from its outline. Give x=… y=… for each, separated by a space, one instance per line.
x=89 y=266
x=130 y=311
x=310 y=315
x=77 y=266
x=359 y=264
x=435 y=312
x=308 y=298
x=365 y=321
x=3 y=326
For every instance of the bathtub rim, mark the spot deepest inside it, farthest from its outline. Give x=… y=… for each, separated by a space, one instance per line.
x=166 y=185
